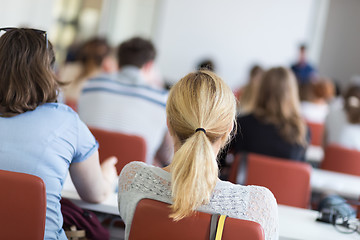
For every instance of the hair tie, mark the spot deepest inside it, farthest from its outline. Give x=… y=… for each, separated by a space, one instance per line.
x=200 y=129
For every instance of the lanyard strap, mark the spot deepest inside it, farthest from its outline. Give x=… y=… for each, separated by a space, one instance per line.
x=220 y=227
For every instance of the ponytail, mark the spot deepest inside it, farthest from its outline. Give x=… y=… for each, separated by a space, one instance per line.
x=194 y=175
x=200 y=112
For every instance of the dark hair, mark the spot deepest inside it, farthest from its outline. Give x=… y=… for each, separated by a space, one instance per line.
x=136 y=51
x=26 y=71
x=206 y=64
x=352 y=104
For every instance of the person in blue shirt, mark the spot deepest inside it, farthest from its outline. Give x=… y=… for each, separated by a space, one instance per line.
x=40 y=136
x=302 y=69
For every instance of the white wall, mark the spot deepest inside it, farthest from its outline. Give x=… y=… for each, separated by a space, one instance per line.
x=235 y=33
x=30 y=13
x=340 y=58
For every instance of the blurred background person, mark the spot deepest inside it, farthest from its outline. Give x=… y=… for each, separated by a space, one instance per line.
x=303 y=70
x=92 y=58
x=126 y=102
x=315 y=108
x=247 y=95
x=275 y=126
x=350 y=134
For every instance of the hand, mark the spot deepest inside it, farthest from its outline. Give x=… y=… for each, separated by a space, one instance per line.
x=109 y=170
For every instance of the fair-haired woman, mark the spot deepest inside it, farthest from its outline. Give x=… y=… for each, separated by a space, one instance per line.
x=201 y=111
x=39 y=136
x=275 y=126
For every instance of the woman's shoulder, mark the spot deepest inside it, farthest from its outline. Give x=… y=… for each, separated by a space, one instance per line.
x=261 y=192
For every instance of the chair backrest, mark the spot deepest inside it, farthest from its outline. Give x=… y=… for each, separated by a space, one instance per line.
x=317 y=133
x=151 y=221
x=340 y=159
x=72 y=103
x=289 y=181
x=22 y=206
x=125 y=147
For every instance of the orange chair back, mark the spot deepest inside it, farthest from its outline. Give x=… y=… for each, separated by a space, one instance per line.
x=289 y=181
x=151 y=221
x=72 y=103
x=22 y=206
x=317 y=133
x=340 y=159
x=125 y=147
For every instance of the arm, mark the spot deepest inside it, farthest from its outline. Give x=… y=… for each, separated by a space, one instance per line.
x=92 y=181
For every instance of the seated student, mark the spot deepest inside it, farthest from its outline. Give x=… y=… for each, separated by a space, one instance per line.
x=92 y=59
x=41 y=137
x=316 y=107
x=275 y=126
x=201 y=113
x=349 y=135
x=126 y=102
x=249 y=93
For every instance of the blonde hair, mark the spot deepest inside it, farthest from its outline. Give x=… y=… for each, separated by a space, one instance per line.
x=278 y=103
x=199 y=100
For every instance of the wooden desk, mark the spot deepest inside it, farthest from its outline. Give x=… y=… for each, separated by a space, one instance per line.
x=295 y=223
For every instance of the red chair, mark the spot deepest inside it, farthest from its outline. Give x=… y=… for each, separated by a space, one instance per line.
x=317 y=133
x=151 y=221
x=72 y=103
x=125 y=147
x=340 y=159
x=289 y=181
x=22 y=206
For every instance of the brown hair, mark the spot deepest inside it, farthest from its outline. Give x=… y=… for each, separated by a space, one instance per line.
x=323 y=89
x=352 y=104
x=91 y=55
x=26 y=71
x=278 y=103
x=136 y=52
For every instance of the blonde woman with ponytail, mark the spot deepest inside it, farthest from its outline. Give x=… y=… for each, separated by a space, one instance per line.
x=201 y=111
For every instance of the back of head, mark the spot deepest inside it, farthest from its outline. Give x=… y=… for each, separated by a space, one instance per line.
x=94 y=51
x=26 y=71
x=91 y=55
x=206 y=64
x=199 y=100
x=278 y=103
x=136 y=52
x=352 y=104
x=323 y=89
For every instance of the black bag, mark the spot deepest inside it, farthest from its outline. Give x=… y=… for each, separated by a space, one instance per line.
x=82 y=220
x=333 y=207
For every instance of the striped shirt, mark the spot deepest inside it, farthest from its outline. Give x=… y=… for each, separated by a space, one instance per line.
x=123 y=102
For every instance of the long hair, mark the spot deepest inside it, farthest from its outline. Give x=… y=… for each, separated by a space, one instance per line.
x=278 y=103
x=26 y=71
x=250 y=92
x=199 y=100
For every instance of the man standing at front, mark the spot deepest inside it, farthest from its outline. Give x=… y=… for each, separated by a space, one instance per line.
x=125 y=102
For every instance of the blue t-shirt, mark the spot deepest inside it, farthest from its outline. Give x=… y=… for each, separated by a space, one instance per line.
x=44 y=142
